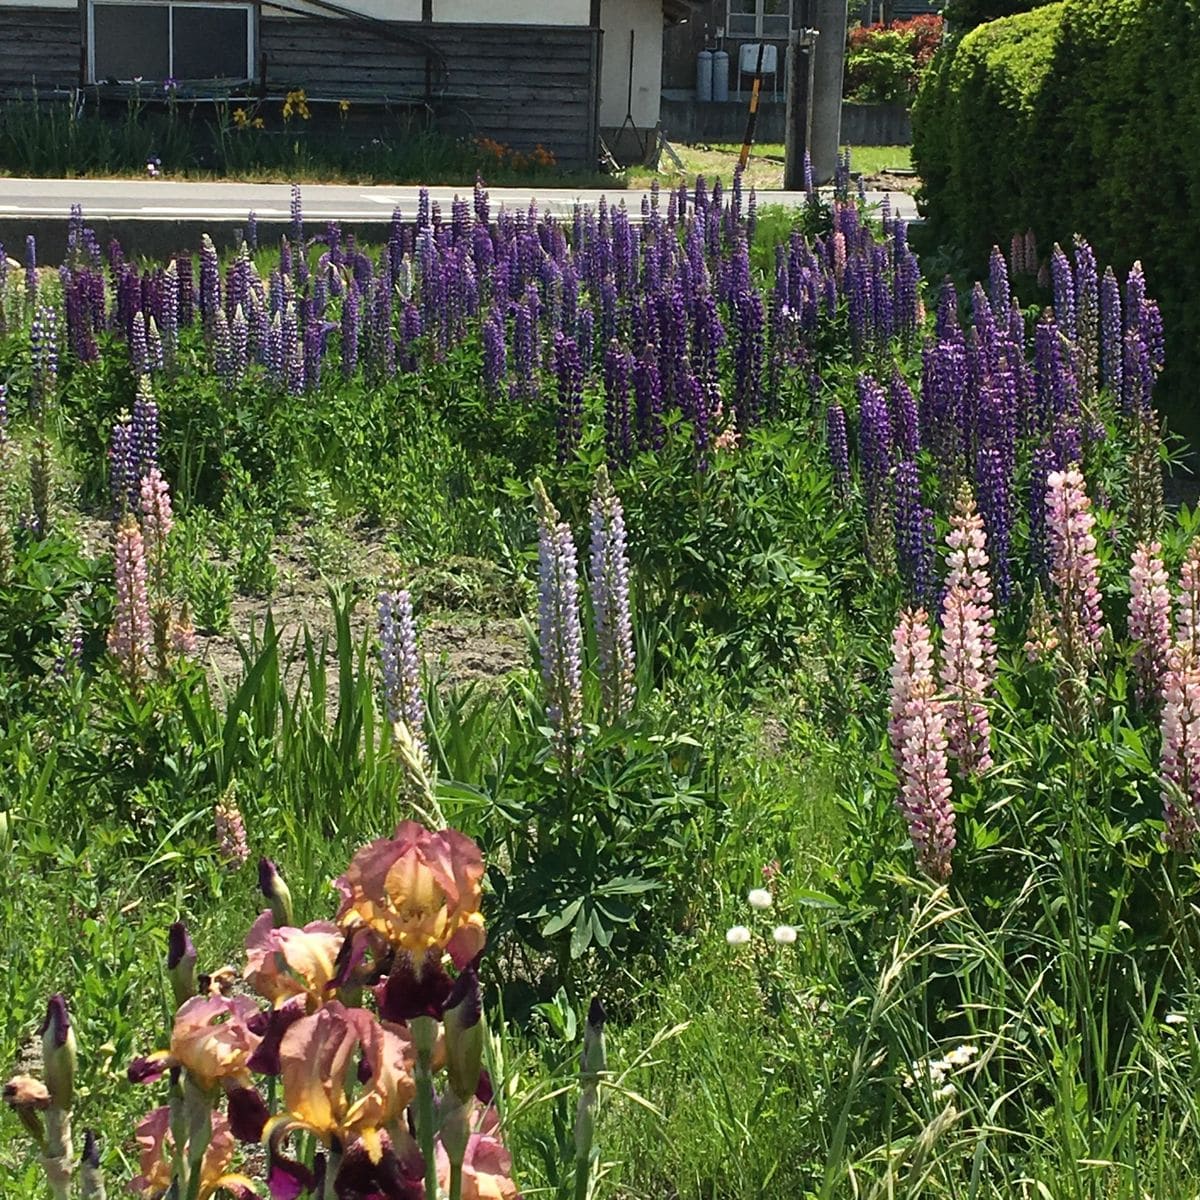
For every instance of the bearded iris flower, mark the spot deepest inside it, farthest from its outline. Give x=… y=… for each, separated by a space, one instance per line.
x=285 y=962
x=419 y=891
x=347 y=1079
x=212 y=1041
x=156 y=1157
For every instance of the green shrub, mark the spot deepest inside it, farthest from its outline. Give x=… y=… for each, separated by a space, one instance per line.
x=966 y=14
x=1080 y=116
x=885 y=63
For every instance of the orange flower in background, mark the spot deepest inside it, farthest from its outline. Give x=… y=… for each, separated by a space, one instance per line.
x=287 y=962
x=420 y=891
x=322 y=1090
x=156 y=1153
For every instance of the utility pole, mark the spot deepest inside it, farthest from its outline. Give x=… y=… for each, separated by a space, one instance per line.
x=798 y=140
x=828 y=72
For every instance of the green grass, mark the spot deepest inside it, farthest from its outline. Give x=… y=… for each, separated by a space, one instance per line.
x=764 y=170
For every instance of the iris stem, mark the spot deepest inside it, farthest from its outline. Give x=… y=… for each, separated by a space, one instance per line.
x=456 y=1180
x=424 y=1032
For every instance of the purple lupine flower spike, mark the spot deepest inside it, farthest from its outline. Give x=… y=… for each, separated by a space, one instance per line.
x=568 y=370
x=647 y=386
x=995 y=507
x=1042 y=463
x=1063 y=282
x=999 y=290
x=905 y=422
x=494 y=352
x=914 y=534
x=839 y=450
x=351 y=325
x=31 y=272
x=618 y=438
x=875 y=445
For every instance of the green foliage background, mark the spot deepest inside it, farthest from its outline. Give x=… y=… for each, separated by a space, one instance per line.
x=1081 y=115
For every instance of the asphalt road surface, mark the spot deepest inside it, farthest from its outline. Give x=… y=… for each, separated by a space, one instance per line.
x=167 y=200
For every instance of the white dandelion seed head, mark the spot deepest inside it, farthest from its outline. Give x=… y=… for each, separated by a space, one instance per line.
x=784 y=935
x=760 y=899
x=737 y=935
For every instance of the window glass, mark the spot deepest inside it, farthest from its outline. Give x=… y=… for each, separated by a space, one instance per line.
x=131 y=41
x=760 y=18
x=210 y=43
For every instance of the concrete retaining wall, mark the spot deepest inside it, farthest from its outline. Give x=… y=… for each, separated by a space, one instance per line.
x=687 y=121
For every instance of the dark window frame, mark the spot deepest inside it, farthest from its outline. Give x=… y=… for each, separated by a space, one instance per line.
x=246 y=7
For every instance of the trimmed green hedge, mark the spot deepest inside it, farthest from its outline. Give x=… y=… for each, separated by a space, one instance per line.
x=1080 y=116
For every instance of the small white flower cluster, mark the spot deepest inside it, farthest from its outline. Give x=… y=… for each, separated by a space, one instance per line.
x=760 y=900
x=939 y=1071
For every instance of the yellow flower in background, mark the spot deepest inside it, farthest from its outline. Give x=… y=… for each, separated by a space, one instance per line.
x=343 y=107
x=240 y=118
x=258 y=123
x=295 y=104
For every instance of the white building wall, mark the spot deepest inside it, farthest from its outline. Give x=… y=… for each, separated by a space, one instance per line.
x=491 y=12
x=513 y=12
x=645 y=19
x=387 y=10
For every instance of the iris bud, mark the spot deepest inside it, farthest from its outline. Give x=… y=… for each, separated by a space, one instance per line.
x=272 y=886
x=181 y=963
x=463 y=1021
x=59 y=1053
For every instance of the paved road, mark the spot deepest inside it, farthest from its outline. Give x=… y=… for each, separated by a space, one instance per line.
x=169 y=201
x=156 y=218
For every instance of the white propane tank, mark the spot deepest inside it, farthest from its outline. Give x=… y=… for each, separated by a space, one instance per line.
x=704 y=76
x=720 y=82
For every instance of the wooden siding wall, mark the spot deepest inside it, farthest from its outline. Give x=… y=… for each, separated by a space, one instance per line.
x=519 y=84
x=38 y=45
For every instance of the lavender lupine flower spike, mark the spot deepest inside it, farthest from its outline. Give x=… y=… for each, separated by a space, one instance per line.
x=401 y=664
x=297 y=215
x=610 y=599
x=560 y=635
